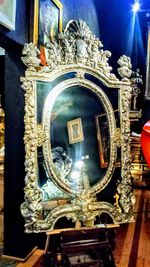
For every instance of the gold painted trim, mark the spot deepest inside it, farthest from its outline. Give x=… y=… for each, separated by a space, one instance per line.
x=35 y=22
x=60 y=7
x=36 y=18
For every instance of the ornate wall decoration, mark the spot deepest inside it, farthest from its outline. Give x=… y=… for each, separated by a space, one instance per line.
x=77 y=75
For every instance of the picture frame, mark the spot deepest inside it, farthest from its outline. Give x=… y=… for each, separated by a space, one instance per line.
x=8 y=14
x=38 y=28
x=75 y=131
x=102 y=137
x=103 y=141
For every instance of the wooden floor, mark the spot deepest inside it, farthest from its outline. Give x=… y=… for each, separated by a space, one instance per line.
x=133 y=240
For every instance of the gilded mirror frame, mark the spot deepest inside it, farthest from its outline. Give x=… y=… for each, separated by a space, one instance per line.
x=78 y=51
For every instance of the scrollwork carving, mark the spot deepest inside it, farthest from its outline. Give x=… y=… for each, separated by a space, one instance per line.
x=84 y=208
x=117 y=137
x=124 y=189
x=40 y=135
x=76 y=45
x=31 y=208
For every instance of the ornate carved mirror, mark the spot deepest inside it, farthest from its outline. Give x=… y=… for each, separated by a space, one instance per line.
x=77 y=133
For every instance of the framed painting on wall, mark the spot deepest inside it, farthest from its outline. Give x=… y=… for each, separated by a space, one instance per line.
x=47 y=23
x=8 y=13
x=75 y=131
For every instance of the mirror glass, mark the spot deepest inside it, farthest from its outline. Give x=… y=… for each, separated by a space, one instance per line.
x=74 y=136
x=79 y=140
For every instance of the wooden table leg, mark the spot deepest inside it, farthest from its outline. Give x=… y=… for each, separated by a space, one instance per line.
x=47 y=244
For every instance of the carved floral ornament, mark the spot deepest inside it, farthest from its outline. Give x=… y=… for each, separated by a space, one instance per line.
x=75 y=50
x=76 y=45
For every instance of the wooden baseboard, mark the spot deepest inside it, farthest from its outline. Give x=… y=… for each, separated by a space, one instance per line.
x=35 y=260
x=7 y=257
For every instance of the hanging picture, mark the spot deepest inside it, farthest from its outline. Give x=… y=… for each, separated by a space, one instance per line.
x=47 y=23
x=8 y=13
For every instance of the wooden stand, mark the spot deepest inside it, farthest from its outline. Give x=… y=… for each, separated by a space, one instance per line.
x=78 y=240
x=88 y=244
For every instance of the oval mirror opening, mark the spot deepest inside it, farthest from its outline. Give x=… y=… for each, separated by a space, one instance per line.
x=79 y=137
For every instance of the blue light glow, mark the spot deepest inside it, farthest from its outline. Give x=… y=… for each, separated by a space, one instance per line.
x=131 y=35
x=135 y=44
x=136 y=7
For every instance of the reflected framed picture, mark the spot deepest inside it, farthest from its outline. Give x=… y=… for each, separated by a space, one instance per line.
x=75 y=131
x=103 y=138
x=8 y=13
x=47 y=23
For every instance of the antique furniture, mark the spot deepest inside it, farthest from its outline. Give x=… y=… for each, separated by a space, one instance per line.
x=90 y=247
x=139 y=167
x=86 y=246
x=64 y=176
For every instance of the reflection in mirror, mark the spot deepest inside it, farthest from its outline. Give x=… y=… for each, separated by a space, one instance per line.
x=103 y=137
x=75 y=140
x=74 y=130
